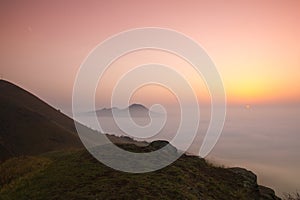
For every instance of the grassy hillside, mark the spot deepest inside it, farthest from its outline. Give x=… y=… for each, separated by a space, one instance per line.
x=77 y=175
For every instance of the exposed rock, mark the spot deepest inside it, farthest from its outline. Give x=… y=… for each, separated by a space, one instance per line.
x=267 y=193
x=159 y=144
x=250 y=183
x=250 y=179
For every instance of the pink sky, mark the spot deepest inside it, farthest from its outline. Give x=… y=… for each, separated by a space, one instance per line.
x=255 y=45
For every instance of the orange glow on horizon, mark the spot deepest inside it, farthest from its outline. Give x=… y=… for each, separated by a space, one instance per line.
x=255 y=46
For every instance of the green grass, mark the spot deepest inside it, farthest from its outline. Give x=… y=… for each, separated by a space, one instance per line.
x=77 y=175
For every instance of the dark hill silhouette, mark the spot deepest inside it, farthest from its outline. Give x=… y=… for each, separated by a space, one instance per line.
x=29 y=126
x=20 y=97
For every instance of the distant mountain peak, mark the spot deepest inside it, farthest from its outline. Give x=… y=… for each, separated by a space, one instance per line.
x=135 y=109
x=134 y=106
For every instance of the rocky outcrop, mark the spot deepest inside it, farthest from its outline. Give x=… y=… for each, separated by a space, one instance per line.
x=158 y=144
x=249 y=178
x=249 y=182
x=267 y=193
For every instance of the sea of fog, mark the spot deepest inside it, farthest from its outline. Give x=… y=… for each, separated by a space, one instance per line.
x=263 y=139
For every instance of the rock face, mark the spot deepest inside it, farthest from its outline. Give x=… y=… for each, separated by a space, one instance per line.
x=250 y=179
x=158 y=144
x=267 y=193
x=250 y=183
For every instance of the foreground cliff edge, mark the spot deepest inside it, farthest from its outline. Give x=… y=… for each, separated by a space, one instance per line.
x=42 y=157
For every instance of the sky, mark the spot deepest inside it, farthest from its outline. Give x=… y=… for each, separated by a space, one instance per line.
x=255 y=45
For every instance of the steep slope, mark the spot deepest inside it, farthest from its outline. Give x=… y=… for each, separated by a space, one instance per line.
x=20 y=97
x=77 y=175
x=29 y=126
